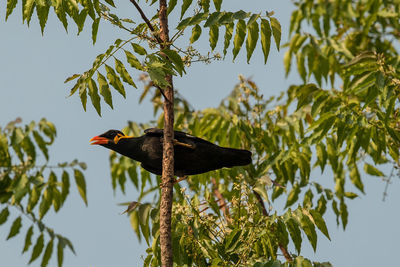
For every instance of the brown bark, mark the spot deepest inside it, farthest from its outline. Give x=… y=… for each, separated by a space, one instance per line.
x=168 y=153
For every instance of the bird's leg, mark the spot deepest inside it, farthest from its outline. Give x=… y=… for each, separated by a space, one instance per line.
x=191 y=146
x=180 y=179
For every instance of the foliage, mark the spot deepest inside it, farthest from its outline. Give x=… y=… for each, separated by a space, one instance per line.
x=142 y=53
x=28 y=190
x=342 y=119
x=354 y=124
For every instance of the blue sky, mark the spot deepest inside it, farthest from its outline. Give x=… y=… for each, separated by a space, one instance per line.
x=32 y=70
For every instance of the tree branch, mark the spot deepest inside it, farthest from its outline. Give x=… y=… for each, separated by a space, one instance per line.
x=259 y=199
x=221 y=201
x=162 y=92
x=160 y=41
x=143 y=15
x=168 y=152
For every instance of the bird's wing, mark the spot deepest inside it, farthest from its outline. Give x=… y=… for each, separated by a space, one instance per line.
x=178 y=135
x=154 y=132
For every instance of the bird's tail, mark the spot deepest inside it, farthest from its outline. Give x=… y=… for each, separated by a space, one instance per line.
x=236 y=157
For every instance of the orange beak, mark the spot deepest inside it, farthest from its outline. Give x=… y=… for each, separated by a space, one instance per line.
x=98 y=140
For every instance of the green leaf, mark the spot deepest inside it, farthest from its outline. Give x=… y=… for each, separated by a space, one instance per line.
x=265 y=38
x=95 y=28
x=196 y=19
x=295 y=233
x=213 y=19
x=73 y=77
x=110 y=2
x=344 y=214
x=228 y=36
x=252 y=38
x=232 y=240
x=60 y=252
x=80 y=19
x=171 y=6
x=196 y=32
x=176 y=59
x=34 y=196
x=56 y=199
x=4 y=215
x=64 y=186
x=287 y=60
x=104 y=89
x=143 y=213
x=350 y=195
x=81 y=184
x=276 y=31
x=214 y=33
x=45 y=204
x=28 y=239
x=320 y=223
x=239 y=37
x=309 y=230
x=300 y=59
x=134 y=220
x=217 y=4
x=82 y=93
x=120 y=68
x=38 y=248
x=41 y=143
x=115 y=81
x=240 y=15
x=293 y=195
x=15 y=227
x=42 y=12
x=11 y=4
x=205 y=4
x=355 y=178
x=139 y=49
x=27 y=10
x=371 y=170
x=61 y=14
x=94 y=96
x=282 y=233
x=185 y=6
x=47 y=254
x=133 y=61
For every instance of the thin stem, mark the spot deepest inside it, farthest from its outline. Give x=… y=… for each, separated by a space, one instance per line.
x=115 y=51
x=159 y=40
x=221 y=200
x=143 y=15
x=387 y=183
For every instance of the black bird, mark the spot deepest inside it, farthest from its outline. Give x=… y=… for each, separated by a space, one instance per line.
x=193 y=155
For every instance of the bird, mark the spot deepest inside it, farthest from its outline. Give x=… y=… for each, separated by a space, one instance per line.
x=192 y=155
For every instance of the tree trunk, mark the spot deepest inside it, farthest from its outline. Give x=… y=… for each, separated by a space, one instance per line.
x=168 y=153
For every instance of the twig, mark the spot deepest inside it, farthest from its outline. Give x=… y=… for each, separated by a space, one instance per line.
x=221 y=200
x=261 y=202
x=160 y=41
x=162 y=92
x=387 y=183
x=143 y=15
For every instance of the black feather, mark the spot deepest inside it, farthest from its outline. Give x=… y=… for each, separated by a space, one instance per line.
x=204 y=156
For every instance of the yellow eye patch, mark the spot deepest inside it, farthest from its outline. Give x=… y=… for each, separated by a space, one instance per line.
x=119 y=137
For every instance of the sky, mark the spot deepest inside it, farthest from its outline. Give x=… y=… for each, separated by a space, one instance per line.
x=32 y=71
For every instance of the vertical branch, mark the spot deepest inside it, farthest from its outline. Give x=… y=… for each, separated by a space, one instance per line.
x=168 y=152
